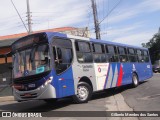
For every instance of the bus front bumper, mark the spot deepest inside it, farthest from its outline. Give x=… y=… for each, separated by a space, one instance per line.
x=43 y=92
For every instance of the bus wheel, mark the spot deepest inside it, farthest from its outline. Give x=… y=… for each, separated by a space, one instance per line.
x=135 y=80
x=50 y=101
x=84 y=93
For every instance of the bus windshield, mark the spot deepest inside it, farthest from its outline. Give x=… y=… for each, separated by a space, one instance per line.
x=31 y=61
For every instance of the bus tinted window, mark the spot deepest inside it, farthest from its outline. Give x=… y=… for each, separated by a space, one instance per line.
x=83 y=47
x=111 y=53
x=121 y=51
x=62 y=55
x=131 y=51
x=99 y=53
x=145 y=56
x=122 y=54
x=140 y=57
x=145 y=53
x=84 y=54
x=111 y=49
x=131 y=55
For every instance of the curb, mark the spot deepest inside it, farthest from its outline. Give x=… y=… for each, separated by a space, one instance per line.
x=6 y=98
x=117 y=103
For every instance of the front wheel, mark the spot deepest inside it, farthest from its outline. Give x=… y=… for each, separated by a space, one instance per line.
x=84 y=93
x=135 y=80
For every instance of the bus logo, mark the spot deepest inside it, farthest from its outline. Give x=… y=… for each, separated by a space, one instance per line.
x=99 y=69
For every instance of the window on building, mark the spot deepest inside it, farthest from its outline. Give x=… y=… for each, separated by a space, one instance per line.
x=83 y=50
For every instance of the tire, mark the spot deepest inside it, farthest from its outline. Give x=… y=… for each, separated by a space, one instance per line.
x=135 y=81
x=50 y=101
x=84 y=93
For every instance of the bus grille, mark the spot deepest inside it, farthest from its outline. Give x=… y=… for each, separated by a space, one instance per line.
x=33 y=95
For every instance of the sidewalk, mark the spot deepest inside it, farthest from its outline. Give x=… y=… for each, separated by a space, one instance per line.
x=6 y=98
x=117 y=103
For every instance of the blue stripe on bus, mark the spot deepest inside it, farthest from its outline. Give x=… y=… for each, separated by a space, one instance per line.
x=107 y=77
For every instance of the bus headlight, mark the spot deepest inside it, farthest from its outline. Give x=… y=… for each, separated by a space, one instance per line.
x=48 y=81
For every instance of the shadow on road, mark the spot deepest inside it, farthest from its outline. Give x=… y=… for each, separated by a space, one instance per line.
x=41 y=106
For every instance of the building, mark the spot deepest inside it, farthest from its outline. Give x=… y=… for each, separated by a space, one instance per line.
x=5 y=47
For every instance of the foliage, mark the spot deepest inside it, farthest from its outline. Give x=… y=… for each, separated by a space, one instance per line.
x=154 y=47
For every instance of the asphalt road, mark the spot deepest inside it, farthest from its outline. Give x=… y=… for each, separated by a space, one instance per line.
x=146 y=97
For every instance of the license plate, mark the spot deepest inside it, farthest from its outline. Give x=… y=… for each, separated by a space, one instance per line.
x=31 y=85
x=27 y=95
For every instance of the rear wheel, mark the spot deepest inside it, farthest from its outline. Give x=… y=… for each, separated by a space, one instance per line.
x=135 y=80
x=84 y=93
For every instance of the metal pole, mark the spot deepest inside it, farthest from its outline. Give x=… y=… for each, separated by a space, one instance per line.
x=29 y=18
x=96 y=23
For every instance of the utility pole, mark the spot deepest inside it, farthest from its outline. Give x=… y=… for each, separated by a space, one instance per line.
x=96 y=23
x=29 y=18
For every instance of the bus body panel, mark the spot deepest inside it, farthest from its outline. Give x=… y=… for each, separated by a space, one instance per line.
x=65 y=84
x=40 y=91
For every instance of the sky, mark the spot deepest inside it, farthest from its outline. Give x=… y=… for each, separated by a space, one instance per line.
x=131 y=21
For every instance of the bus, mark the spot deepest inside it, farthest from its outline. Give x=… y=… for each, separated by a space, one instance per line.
x=50 y=65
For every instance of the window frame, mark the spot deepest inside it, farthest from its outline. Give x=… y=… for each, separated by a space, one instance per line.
x=133 y=55
x=78 y=51
x=125 y=54
x=95 y=53
x=52 y=45
x=140 y=55
x=146 y=56
x=115 y=52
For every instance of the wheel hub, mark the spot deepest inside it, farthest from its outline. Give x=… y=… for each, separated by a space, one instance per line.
x=82 y=92
x=135 y=80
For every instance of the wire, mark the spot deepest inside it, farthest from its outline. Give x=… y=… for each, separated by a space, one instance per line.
x=19 y=16
x=110 y=12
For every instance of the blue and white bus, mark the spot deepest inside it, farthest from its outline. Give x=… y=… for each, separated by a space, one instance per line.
x=49 y=65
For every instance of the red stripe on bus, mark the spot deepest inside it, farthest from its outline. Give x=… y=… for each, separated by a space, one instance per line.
x=120 y=76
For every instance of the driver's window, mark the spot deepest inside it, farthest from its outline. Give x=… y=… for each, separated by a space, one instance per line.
x=62 y=51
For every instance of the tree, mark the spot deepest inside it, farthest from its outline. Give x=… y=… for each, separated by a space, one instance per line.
x=154 y=47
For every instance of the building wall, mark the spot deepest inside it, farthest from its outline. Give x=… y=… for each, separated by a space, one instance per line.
x=5 y=68
x=4 y=51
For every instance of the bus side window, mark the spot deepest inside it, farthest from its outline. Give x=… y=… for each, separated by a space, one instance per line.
x=63 y=56
x=111 y=53
x=83 y=50
x=122 y=54
x=140 y=56
x=99 y=53
x=145 y=56
x=132 y=55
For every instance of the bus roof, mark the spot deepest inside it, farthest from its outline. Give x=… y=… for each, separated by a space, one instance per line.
x=93 y=40
x=51 y=34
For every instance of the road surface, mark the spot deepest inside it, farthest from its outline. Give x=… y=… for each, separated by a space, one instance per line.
x=146 y=97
